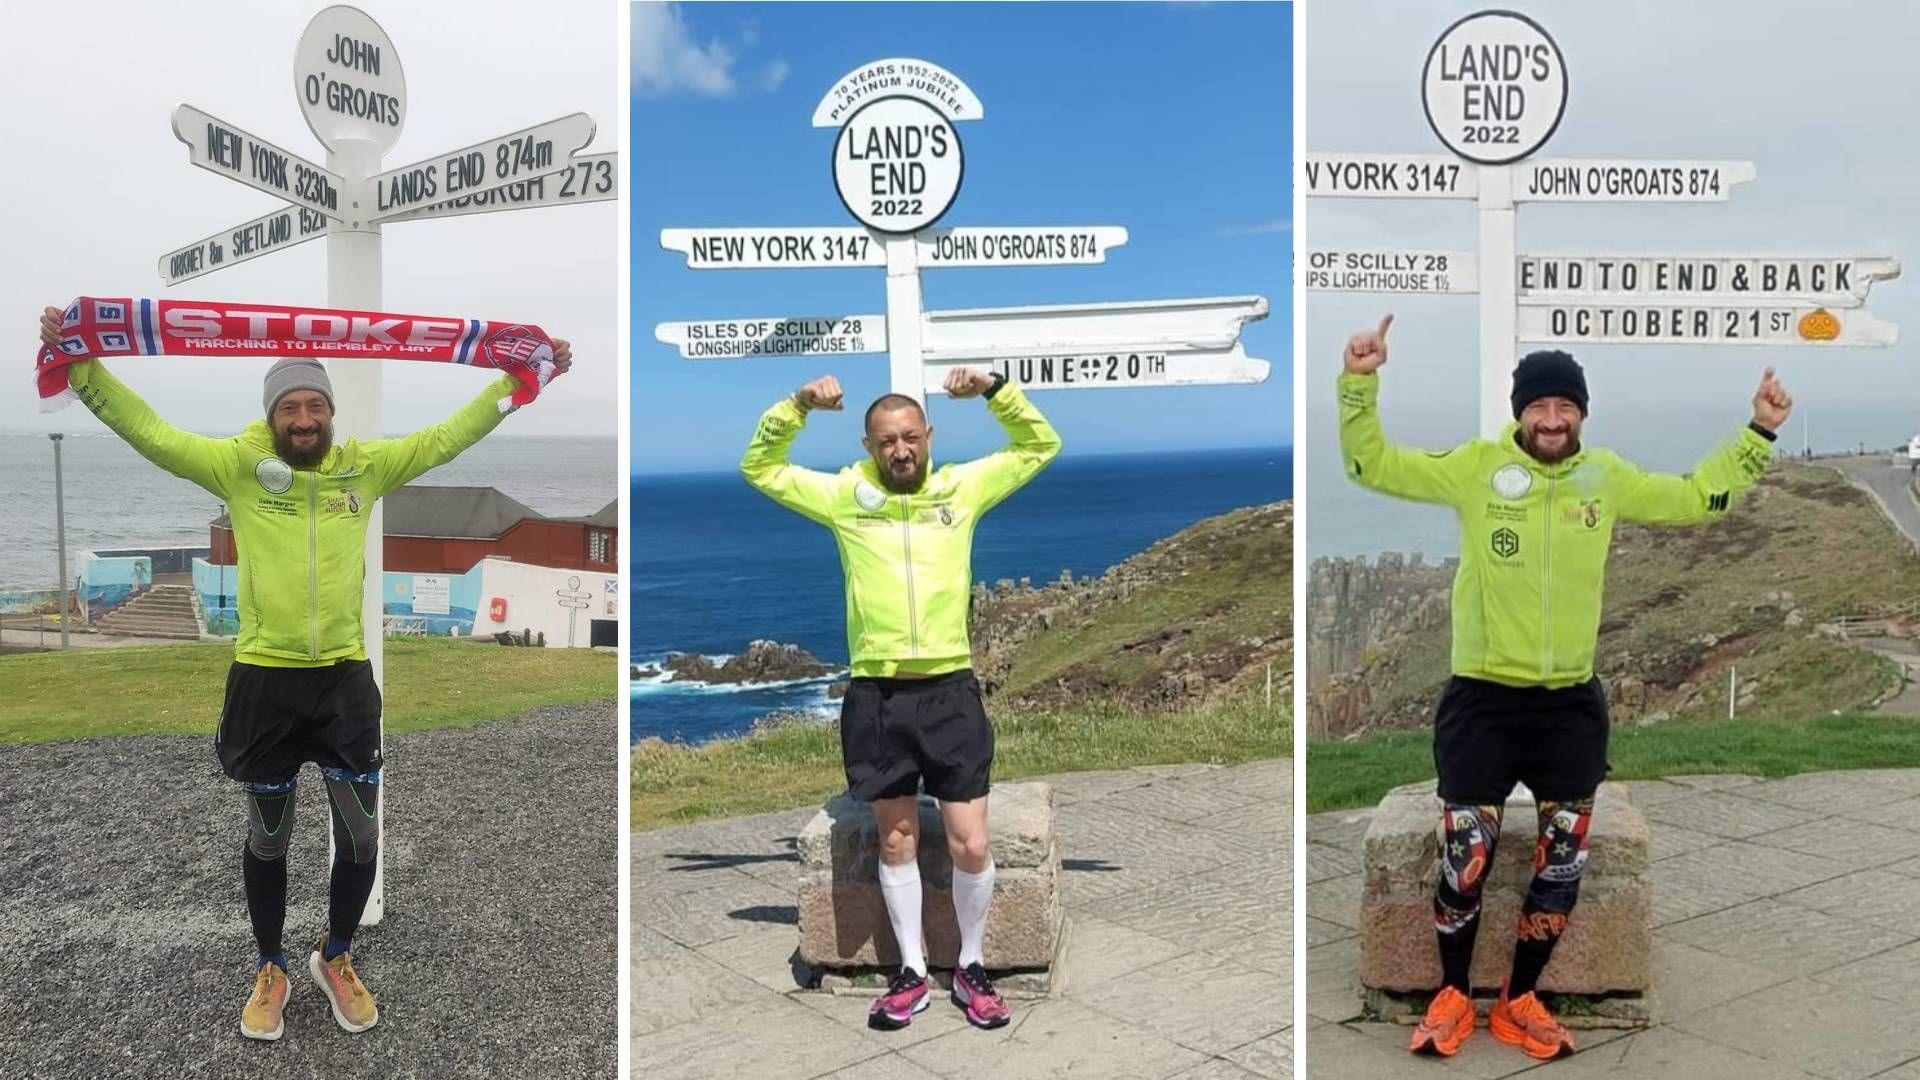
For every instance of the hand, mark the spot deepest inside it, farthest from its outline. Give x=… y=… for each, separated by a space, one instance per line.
x=562 y=356
x=1367 y=350
x=50 y=326
x=966 y=382
x=822 y=393
x=1771 y=403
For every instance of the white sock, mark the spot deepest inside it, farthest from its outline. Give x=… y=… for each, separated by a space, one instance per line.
x=971 y=895
x=900 y=885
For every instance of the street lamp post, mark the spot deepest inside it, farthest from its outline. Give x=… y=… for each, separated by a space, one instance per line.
x=60 y=532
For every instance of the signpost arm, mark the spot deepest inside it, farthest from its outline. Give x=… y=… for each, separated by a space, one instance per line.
x=1499 y=301
x=353 y=282
x=904 y=323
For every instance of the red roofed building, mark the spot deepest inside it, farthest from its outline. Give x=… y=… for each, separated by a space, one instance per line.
x=448 y=530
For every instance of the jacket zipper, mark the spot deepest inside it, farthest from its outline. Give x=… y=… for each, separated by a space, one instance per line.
x=906 y=539
x=313 y=565
x=1546 y=587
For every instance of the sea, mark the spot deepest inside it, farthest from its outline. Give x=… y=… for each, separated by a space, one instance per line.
x=115 y=498
x=717 y=564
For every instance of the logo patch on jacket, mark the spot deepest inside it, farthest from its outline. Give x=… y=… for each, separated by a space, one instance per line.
x=869 y=497
x=275 y=476
x=1505 y=542
x=1512 y=481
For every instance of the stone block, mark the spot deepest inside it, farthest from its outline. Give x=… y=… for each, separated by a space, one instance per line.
x=843 y=916
x=1608 y=946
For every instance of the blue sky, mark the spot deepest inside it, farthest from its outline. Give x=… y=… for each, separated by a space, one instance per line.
x=1173 y=120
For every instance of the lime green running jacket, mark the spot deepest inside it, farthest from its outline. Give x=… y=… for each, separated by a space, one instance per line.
x=908 y=559
x=1534 y=537
x=301 y=534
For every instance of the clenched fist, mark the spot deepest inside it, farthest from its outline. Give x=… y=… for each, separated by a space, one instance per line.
x=966 y=382
x=822 y=393
x=1367 y=350
x=50 y=326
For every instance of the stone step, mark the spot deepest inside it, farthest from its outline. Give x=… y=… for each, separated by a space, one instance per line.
x=843 y=916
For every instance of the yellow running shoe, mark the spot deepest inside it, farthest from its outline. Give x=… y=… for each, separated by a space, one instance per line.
x=1525 y=1022
x=1447 y=1026
x=353 y=1007
x=263 y=1018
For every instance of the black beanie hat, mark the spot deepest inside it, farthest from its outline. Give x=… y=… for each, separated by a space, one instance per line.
x=1548 y=373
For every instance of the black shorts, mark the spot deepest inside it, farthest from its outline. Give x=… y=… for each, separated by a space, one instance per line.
x=276 y=718
x=1487 y=736
x=895 y=731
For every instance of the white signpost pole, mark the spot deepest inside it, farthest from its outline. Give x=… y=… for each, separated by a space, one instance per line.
x=904 y=322
x=1498 y=301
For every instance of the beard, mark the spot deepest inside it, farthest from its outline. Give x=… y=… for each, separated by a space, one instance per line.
x=303 y=459
x=907 y=485
x=1531 y=444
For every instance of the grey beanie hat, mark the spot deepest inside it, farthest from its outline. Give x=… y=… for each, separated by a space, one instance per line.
x=290 y=374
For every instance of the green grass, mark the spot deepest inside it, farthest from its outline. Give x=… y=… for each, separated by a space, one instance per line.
x=1341 y=775
x=798 y=764
x=430 y=683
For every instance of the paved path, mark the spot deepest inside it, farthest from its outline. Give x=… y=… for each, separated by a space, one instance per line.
x=1787 y=937
x=1888 y=481
x=125 y=949
x=1178 y=961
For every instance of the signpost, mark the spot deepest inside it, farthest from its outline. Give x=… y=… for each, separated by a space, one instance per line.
x=897 y=167
x=353 y=93
x=1494 y=87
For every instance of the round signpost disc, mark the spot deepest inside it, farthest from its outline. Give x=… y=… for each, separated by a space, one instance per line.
x=347 y=76
x=1495 y=87
x=897 y=164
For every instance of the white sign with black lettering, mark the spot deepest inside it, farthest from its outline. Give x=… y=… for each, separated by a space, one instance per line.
x=473 y=170
x=760 y=249
x=1842 y=281
x=1142 y=343
x=347 y=76
x=1495 y=87
x=220 y=147
x=1018 y=246
x=432 y=594
x=1612 y=320
x=739 y=339
x=898 y=77
x=1390 y=176
x=591 y=178
x=277 y=231
x=1387 y=270
x=1604 y=180
x=897 y=164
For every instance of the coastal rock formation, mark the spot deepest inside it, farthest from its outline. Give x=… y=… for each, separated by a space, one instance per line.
x=760 y=662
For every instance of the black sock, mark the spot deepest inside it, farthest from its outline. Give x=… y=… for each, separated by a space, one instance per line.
x=266 y=882
x=1530 y=956
x=1456 y=954
x=347 y=893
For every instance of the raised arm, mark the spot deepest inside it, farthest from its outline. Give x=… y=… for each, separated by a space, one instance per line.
x=1370 y=460
x=1732 y=467
x=765 y=465
x=1031 y=441
x=198 y=458
x=394 y=462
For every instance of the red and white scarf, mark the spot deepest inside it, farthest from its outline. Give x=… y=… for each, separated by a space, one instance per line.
x=123 y=326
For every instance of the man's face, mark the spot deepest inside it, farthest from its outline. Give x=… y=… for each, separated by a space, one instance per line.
x=302 y=428
x=901 y=443
x=1550 y=429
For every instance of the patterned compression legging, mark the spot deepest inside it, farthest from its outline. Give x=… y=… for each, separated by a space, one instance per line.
x=1469 y=836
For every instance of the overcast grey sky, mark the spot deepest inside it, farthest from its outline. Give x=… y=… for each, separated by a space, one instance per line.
x=97 y=188
x=1819 y=97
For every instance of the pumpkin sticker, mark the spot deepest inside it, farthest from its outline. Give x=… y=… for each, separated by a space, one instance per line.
x=1819 y=325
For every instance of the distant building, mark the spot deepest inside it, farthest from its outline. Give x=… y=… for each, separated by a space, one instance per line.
x=449 y=530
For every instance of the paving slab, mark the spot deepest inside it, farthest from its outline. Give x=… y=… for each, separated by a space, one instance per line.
x=1200 y=1003
x=1731 y=814
x=1055 y=1039
x=1875 y=897
x=1270 y=1056
x=1782 y=937
x=1818 y=1029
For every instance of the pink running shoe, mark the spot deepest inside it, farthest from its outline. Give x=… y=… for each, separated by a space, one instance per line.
x=974 y=993
x=906 y=995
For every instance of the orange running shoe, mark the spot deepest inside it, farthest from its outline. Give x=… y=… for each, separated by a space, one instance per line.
x=1525 y=1022
x=1447 y=1025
